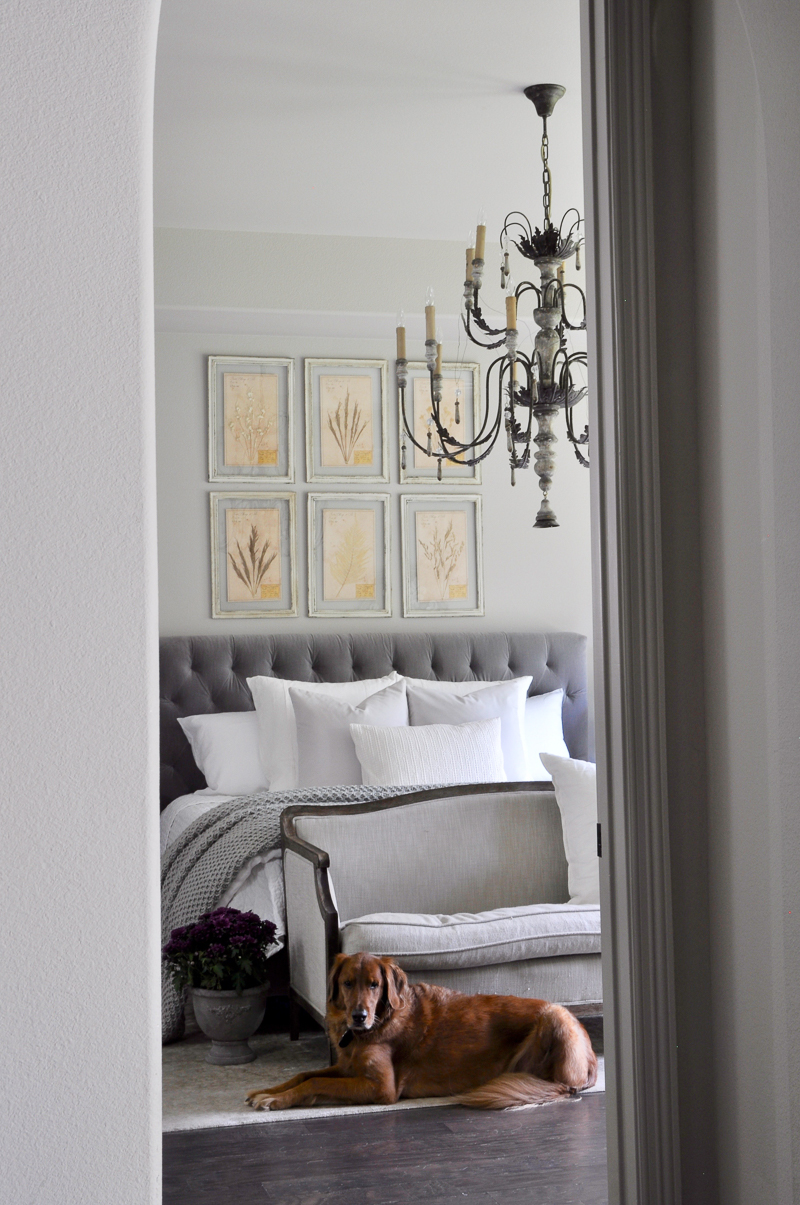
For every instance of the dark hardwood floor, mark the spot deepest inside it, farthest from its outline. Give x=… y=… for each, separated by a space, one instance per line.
x=554 y=1155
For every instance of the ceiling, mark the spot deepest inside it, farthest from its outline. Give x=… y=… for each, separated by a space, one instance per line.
x=386 y=118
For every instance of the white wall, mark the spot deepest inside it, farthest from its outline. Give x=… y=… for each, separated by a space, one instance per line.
x=257 y=294
x=78 y=769
x=747 y=94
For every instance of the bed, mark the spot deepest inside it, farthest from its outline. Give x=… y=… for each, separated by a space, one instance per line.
x=202 y=675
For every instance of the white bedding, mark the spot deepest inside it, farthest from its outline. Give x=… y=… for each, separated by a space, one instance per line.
x=259 y=885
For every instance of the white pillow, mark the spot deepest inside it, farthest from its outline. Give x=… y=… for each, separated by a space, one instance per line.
x=576 y=795
x=432 y=753
x=504 y=701
x=277 y=728
x=225 y=747
x=543 y=731
x=326 y=755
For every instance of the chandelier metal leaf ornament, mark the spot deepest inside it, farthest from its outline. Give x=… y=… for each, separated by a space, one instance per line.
x=520 y=387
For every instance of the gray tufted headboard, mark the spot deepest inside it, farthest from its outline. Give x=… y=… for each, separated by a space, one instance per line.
x=207 y=673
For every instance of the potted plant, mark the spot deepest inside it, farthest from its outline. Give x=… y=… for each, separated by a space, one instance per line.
x=222 y=960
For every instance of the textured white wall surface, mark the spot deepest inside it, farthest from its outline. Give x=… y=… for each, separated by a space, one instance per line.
x=78 y=786
x=748 y=180
x=534 y=580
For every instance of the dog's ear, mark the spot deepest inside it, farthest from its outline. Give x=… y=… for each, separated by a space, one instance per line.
x=333 y=980
x=394 y=984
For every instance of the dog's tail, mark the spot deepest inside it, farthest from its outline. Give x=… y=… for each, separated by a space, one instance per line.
x=512 y=1090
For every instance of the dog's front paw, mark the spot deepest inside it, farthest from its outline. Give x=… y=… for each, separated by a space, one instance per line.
x=259 y=1099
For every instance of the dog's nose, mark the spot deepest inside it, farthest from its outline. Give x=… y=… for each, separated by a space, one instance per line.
x=359 y=1015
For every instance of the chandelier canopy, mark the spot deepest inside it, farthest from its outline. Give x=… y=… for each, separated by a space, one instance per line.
x=520 y=386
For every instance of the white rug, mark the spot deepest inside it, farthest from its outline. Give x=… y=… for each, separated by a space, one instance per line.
x=197 y=1095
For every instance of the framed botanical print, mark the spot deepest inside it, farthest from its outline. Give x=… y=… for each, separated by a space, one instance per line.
x=461 y=396
x=250 y=419
x=253 y=556
x=346 y=437
x=349 y=555
x=442 y=546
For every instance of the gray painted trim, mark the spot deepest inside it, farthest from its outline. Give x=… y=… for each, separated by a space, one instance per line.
x=643 y=1140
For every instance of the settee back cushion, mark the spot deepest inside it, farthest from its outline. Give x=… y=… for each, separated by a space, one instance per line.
x=467 y=853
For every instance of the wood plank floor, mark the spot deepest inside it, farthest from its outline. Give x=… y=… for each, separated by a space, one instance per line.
x=554 y=1155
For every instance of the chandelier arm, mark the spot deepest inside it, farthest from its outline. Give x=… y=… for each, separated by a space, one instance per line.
x=577 y=441
x=407 y=429
x=581 y=326
x=578 y=222
x=525 y=287
x=476 y=341
x=488 y=438
x=524 y=225
x=455 y=446
x=477 y=314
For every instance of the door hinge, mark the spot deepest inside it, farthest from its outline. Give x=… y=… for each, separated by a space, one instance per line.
x=599 y=840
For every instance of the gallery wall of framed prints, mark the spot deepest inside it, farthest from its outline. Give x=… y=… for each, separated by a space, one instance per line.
x=256 y=531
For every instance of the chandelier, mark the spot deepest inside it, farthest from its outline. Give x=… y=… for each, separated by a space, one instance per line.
x=520 y=387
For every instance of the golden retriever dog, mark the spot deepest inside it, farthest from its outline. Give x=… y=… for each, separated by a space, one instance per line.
x=396 y=1039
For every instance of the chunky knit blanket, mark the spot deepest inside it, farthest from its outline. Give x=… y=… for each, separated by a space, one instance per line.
x=206 y=858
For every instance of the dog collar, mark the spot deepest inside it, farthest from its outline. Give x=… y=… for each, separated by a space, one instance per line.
x=346 y=1038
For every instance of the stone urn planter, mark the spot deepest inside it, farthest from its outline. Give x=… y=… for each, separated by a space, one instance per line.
x=229 y=1018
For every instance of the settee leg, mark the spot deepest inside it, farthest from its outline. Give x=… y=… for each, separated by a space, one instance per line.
x=294 y=1019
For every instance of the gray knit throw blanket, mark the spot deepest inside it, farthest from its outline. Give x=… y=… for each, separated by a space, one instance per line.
x=203 y=862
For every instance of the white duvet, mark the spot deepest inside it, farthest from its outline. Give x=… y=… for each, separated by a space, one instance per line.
x=259 y=885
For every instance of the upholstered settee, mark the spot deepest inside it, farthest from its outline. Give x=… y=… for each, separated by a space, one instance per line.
x=463 y=886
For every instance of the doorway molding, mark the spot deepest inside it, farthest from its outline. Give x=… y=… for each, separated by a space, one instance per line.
x=625 y=96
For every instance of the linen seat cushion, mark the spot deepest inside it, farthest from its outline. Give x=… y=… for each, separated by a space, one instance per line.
x=421 y=941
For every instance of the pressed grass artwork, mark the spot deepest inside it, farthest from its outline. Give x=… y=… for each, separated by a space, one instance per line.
x=254 y=562
x=346 y=420
x=441 y=555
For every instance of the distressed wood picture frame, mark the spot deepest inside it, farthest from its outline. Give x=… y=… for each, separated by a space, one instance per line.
x=462 y=380
x=349 y=555
x=253 y=556
x=251 y=419
x=346 y=432
x=442 y=551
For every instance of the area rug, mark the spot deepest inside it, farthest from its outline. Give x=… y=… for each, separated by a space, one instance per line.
x=197 y=1095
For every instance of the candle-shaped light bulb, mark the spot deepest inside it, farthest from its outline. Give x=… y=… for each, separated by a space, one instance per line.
x=438 y=368
x=430 y=315
x=401 y=336
x=470 y=253
x=511 y=304
x=480 y=235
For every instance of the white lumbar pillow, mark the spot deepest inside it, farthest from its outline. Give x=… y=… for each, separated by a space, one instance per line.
x=276 y=722
x=427 y=704
x=225 y=747
x=326 y=755
x=543 y=731
x=429 y=754
x=576 y=794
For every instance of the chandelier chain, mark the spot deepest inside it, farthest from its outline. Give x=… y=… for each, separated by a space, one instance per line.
x=547 y=182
